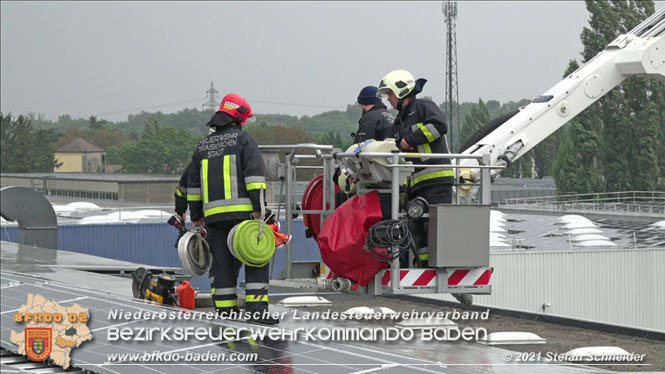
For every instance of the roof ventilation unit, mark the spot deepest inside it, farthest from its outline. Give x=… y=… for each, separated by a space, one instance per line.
x=37 y=224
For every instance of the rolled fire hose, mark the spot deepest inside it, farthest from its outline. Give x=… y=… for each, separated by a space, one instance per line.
x=194 y=253
x=252 y=241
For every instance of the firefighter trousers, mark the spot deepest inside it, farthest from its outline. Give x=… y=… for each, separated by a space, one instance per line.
x=437 y=194
x=224 y=274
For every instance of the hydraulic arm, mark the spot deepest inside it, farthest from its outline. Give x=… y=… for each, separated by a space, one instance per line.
x=641 y=52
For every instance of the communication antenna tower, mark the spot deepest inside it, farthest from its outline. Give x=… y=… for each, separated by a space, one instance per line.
x=211 y=99
x=452 y=95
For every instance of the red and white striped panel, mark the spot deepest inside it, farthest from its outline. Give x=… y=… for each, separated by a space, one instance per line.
x=427 y=277
x=412 y=278
x=470 y=277
x=326 y=273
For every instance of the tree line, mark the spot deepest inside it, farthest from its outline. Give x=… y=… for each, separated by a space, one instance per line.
x=617 y=144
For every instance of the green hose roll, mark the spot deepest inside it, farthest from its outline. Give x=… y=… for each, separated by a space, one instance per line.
x=244 y=243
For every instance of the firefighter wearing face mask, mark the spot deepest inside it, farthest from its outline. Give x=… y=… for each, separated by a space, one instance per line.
x=420 y=127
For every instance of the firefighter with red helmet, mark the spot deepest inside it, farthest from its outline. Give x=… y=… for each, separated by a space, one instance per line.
x=224 y=184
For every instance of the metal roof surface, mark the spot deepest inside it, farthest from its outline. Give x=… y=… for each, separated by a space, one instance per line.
x=25 y=271
x=537 y=232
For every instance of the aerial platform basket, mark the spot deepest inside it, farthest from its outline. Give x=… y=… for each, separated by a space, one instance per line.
x=458 y=236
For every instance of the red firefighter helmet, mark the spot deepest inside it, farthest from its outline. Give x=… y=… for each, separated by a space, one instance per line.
x=237 y=107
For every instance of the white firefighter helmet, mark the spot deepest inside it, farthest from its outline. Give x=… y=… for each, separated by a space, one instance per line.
x=344 y=182
x=400 y=82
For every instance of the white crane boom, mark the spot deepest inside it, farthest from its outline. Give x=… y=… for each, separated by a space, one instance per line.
x=640 y=52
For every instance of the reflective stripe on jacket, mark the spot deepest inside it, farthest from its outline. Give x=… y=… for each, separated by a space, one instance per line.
x=180 y=193
x=422 y=125
x=226 y=176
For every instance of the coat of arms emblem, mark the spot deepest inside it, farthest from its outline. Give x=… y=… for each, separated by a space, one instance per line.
x=38 y=343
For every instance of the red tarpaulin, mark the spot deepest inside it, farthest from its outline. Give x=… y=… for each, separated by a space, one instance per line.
x=343 y=236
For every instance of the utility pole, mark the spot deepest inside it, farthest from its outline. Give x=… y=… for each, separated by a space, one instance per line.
x=212 y=100
x=449 y=9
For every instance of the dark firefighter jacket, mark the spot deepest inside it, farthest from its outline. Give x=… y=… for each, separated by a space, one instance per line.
x=375 y=124
x=180 y=193
x=226 y=174
x=422 y=125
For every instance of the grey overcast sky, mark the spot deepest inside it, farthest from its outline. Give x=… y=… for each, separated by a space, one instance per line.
x=115 y=58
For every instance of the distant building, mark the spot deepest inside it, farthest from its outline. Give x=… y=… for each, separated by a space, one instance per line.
x=80 y=156
x=122 y=187
x=521 y=188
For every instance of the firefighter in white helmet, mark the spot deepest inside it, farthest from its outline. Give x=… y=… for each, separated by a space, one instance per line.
x=419 y=127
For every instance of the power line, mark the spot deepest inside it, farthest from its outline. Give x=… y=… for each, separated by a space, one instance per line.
x=199 y=100
x=297 y=104
x=150 y=107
